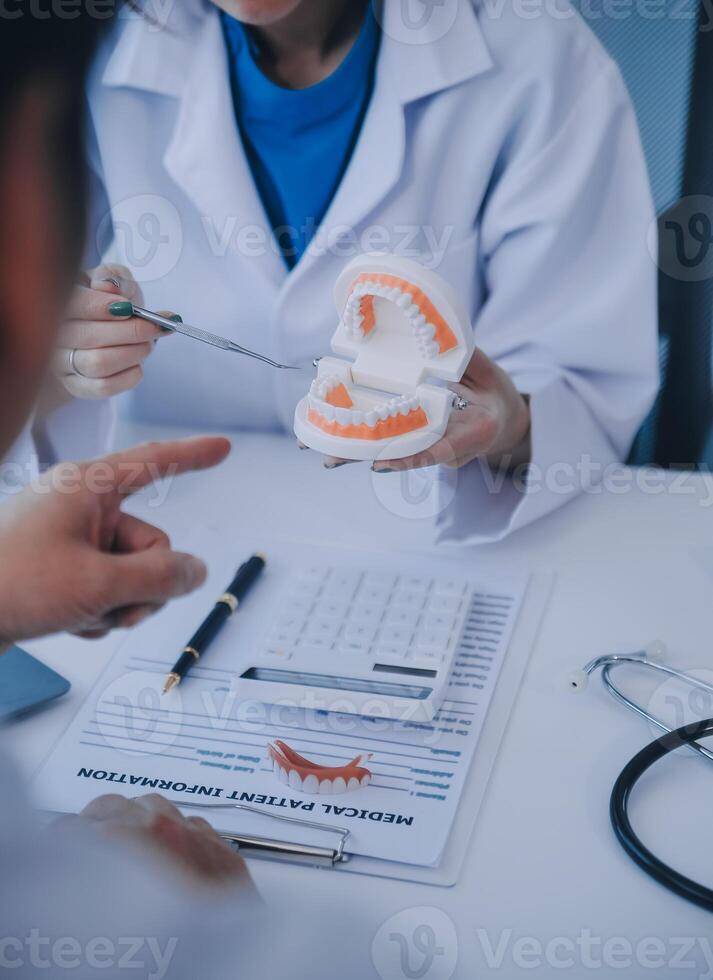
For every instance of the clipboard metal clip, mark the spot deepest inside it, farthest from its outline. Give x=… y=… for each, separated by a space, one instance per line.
x=278 y=849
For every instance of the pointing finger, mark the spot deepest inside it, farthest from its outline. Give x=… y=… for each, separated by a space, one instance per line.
x=138 y=467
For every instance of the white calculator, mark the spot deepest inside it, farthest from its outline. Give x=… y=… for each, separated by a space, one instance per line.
x=358 y=641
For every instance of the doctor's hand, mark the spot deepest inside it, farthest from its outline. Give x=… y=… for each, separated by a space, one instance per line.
x=189 y=844
x=74 y=561
x=495 y=425
x=102 y=347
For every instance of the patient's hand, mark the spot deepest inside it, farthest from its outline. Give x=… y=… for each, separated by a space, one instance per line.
x=72 y=560
x=189 y=844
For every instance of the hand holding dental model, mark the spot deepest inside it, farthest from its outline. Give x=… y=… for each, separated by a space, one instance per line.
x=404 y=325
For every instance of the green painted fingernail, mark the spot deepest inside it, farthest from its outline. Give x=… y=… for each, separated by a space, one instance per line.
x=382 y=469
x=175 y=318
x=120 y=309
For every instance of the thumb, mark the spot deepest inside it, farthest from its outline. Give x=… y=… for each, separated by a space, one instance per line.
x=154 y=576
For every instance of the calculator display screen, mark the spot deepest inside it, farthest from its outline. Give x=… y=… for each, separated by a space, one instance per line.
x=274 y=675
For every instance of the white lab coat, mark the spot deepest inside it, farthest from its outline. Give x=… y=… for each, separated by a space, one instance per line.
x=500 y=149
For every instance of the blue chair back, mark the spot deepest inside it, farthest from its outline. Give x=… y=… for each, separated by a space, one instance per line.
x=667 y=63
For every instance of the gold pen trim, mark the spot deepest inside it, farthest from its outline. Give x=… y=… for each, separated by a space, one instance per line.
x=230 y=601
x=193 y=652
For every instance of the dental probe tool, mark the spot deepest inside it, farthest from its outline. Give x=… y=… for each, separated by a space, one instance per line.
x=205 y=337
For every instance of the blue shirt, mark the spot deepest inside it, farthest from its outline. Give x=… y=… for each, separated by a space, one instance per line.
x=299 y=142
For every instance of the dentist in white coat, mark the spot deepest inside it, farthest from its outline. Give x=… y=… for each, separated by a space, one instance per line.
x=242 y=156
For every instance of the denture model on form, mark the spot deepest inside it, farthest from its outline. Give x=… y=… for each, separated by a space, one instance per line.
x=402 y=324
x=311 y=777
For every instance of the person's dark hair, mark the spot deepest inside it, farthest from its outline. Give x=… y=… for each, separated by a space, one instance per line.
x=52 y=42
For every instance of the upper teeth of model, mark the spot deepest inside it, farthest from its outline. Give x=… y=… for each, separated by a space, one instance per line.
x=399 y=405
x=423 y=331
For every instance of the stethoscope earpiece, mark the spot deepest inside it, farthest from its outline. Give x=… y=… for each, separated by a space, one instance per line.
x=656 y=651
x=578 y=680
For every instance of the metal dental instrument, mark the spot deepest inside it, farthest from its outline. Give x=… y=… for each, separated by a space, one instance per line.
x=207 y=338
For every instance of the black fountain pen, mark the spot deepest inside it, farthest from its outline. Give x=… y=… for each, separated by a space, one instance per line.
x=224 y=608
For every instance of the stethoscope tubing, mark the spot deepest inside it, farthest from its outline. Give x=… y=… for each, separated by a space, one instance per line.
x=619 y=695
x=625 y=833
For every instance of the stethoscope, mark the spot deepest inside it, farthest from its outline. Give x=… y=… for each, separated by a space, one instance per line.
x=652 y=658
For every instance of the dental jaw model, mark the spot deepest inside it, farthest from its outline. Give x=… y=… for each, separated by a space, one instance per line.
x=401 y=324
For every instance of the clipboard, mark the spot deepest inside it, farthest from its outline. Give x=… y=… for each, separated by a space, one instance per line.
x=333 y=853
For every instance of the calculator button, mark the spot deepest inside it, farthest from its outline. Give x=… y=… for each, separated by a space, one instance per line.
x=276 y=654
x=439 y=621
x=331 y=609
x=297 y=605
x=316 y=643
x=281 y=637
x=342 y=585
x=444 y=603
x=426 y=639
x=305 y=590
x=366 y=612
x=372 y=593
x=429 y=656
x=359 y=631
x=449 y=586
x=395 y=634
x=290 y=621
x=408 y=600
x=384 y=580
x=385 y=652
x=376 y=588
x=323 y=627
x=403 y=619
x=351 y=646
x=394 y=648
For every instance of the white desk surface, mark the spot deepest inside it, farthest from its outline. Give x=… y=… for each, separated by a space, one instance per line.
x=543 y=864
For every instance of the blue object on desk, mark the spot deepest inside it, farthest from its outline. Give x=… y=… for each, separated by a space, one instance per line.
x=26 y=684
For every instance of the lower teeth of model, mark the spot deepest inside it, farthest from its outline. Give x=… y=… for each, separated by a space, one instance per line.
x=351 y=416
